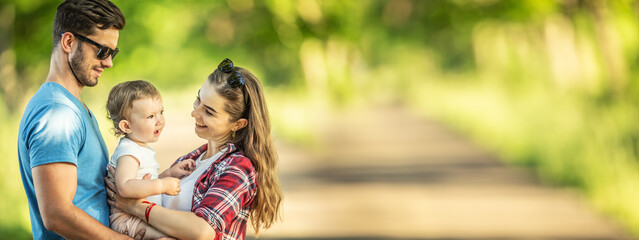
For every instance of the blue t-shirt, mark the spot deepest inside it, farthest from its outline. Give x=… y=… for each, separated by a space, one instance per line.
x=55 y=127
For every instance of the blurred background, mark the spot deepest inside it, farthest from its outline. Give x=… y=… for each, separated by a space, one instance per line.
x=402 y=119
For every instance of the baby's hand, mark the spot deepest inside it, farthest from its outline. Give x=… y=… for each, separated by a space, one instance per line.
x=183 y=168
x=170 y=185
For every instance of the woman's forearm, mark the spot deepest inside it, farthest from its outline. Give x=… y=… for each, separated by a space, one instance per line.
x=166 y=173
x=178 y=224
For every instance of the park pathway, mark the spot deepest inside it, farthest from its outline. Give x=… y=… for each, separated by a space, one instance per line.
x=385 y=173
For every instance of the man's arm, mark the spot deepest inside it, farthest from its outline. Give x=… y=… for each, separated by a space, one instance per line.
x=55 y=185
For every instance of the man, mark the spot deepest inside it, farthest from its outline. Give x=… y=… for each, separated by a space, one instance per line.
x=61 y=150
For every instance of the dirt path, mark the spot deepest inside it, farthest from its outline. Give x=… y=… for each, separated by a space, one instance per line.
x=386 y=174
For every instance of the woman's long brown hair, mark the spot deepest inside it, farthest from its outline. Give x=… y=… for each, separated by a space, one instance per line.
x=255 y=141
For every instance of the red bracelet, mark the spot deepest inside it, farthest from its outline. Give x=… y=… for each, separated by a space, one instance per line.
x=148 y=209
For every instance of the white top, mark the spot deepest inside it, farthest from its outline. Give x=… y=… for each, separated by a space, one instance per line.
x=183 y=200
x=147 y=158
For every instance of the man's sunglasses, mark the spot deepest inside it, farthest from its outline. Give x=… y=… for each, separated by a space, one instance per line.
x=103 y=51
x=235 y=79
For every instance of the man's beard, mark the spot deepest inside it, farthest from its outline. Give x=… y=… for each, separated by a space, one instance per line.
x=81 y=72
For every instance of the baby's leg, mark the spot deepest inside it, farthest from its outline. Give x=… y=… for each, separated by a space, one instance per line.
x=151 y=232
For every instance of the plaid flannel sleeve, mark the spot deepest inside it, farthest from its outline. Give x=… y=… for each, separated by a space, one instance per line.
x=227 y=196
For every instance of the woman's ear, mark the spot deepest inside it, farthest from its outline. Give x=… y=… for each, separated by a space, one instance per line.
x=124 y=126
x=239 y=124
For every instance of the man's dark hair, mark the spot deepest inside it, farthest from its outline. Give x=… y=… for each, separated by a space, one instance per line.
x=83 y=16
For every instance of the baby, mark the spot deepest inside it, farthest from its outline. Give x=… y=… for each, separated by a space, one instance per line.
x=136 y=109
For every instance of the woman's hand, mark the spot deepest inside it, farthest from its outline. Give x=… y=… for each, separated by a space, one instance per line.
x=183 y=168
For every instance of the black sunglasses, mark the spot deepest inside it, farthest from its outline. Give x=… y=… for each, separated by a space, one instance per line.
x=103 y=51
x=235 y=79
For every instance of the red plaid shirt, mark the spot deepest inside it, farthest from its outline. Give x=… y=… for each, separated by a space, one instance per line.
x=224 y=194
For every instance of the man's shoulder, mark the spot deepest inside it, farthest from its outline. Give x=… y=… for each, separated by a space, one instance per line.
x=52 y=111
x=51 y=100
x=47 y=112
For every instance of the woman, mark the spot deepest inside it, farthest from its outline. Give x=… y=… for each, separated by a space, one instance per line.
x=235 y=173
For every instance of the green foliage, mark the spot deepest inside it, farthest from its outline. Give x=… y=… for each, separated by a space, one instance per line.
x=547 y=84
x=14 y=220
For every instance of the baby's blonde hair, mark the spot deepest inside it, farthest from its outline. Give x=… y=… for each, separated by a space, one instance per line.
x=121 y=97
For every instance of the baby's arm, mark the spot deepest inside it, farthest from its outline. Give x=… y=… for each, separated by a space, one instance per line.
x=130 y=187
x=181 y=169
